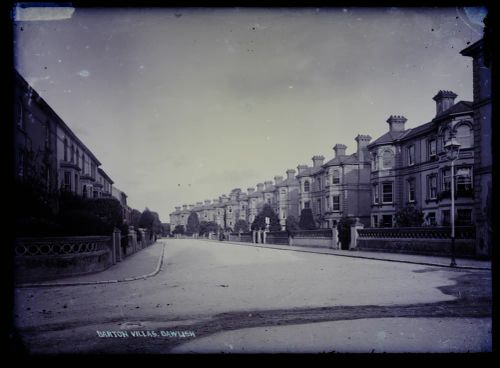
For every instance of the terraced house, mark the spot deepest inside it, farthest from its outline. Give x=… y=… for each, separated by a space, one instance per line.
x=44 y=143
x=410 y=166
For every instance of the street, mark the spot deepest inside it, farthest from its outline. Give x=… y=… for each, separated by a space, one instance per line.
x=223 y=297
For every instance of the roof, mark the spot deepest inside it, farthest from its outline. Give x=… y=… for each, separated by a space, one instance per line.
x=310 y=171
x=101 y=171
x=63 y=125
x=472 y=49
x=288 y=183
x=270 y=188
x=390 y=137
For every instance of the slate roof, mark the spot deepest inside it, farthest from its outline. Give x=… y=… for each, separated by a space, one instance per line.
x=288 y=183
x=310 y=171
x=390 y=137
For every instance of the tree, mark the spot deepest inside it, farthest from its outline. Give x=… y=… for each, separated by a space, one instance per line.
x=109 y=210
x=409 y=216
x=241 y=225
x=165 y=229
x=260 y=220
x=208 y=227
x=344 y=229
x=157 y=226
x=193 y=224
x=146 y=220
x=307 y=220
x=179 y=229
x=135 y=216
x=292 y=224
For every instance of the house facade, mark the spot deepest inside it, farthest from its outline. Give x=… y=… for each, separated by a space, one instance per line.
x=409 y=167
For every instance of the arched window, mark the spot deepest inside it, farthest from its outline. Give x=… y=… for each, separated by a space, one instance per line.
x=387 y=159
x=307 y=186
x=445 y=137
x=335 y=177
x=464 y=136
x=72 y=151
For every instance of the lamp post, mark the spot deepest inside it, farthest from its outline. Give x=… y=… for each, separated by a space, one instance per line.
x=452 y=148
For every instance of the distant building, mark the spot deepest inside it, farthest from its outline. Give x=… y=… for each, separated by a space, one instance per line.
x=122 y=198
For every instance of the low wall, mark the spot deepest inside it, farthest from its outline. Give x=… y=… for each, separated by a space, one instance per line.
x=277 y=237
x=430 y=241
x=323 y=238
x=41 y=259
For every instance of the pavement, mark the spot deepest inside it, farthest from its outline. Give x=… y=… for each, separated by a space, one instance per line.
x=149 y=261
x=439 y=261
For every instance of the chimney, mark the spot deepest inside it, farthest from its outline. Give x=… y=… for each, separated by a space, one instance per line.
x=444 y=100
x=339 y=149
x=396 y=123
x=223 y=198
x=190 y=207
x=178 y=208
x=318 y=160
x=250 y=190
x=184 y=206
x=290 y=174
x=268 y=184
x=363 y=141
x=199 y=204
x=207 y=201
x=215 y=201
x=301 y=168
x=278 y=179
x=260 y=187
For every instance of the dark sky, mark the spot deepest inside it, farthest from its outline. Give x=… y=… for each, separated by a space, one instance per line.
x=183 y=105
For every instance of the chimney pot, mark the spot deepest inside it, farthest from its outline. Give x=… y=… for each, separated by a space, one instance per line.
x=396 y=123
x=339 y=149
x=444 y=100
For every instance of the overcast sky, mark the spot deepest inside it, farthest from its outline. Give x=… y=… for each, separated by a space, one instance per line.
x=183 y=105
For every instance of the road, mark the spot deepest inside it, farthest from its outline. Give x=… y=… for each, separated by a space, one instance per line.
x=221 y=297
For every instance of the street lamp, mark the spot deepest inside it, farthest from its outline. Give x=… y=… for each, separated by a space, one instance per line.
x=452 y=148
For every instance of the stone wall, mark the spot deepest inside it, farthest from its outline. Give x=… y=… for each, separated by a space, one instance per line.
x=41 y=259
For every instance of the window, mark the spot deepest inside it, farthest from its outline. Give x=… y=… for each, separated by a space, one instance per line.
x=269 y=200
x=411 y=155
x=374 y=162
x=374 y=221
x=464 y=217
x=386 y=221
x=445 y=219
x=464 y=136
x=319 y=183
x=446 y=179
x=327 y=202
x=65 y=149
x=230 y=210
x=336 y=202
x=306 y=186
x=83 y=164
x=376 y=198
x=96 y=194
x=67 y=181
x=387 y=159
x=307 y=204
x=84 y=191
x=445 y=137
x=318 y=202
x=431 y=219
x=77 y=157
x=432 y=186
x=76 y=183
x=335 y=177
x=431 y=149
x=72 y=152
x=92 y=170
x=411 y=190
x=387 y=193
x=464 y=179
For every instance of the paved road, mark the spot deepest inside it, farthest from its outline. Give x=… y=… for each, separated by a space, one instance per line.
x=222 y=297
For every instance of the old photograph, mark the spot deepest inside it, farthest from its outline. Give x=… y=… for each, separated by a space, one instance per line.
x=250 y=180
